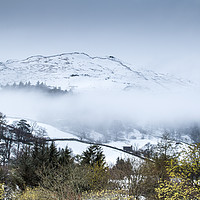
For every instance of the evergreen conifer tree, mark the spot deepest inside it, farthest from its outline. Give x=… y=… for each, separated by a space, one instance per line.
x=53 y=155
x=65 y=156
x=93 y=155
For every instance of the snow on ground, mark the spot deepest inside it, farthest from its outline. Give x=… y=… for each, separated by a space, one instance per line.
x=111 y=154
x=77 y=147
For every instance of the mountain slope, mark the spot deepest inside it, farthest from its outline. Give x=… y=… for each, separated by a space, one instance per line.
x=80 y=72
x=100 y=116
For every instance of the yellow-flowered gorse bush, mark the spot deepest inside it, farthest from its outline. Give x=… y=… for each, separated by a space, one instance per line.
x=184 y=176
x=1 y=191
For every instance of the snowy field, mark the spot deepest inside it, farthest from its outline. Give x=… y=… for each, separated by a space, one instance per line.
x=77 y=147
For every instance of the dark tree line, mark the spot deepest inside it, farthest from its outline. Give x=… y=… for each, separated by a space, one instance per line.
x=33 y=159
x=39 y=86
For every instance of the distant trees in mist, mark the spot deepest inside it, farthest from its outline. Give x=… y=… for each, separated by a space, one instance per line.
x=38 y=87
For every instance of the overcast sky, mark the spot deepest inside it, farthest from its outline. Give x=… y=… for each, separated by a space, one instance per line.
x=163 y=35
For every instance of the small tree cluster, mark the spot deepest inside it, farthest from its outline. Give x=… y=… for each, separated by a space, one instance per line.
x=38 y=87
x=16 y=136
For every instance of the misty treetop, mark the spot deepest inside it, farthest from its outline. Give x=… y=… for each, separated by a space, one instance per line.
x=38 y=87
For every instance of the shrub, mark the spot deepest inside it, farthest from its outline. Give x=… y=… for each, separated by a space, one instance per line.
x=37 y=193
x=1 y=191
x=184 y=176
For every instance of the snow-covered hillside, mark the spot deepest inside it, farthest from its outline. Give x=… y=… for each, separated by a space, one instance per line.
x=78 y=147
x=80 y=72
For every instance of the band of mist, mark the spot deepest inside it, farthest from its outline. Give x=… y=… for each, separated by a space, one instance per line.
x=101 y=107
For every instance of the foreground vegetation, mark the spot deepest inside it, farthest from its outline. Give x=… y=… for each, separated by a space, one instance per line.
x=31 y=168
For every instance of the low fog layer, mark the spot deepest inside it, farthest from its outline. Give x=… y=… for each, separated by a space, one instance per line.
x=95 y=108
